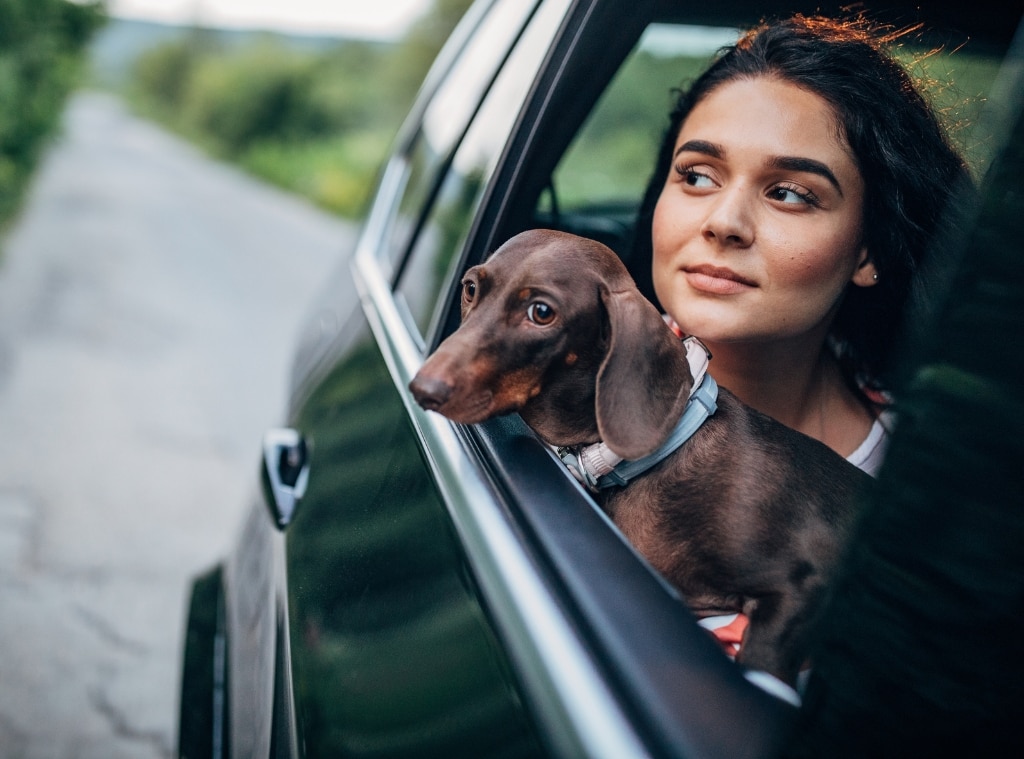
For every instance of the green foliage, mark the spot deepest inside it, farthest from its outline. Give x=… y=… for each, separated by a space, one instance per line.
x=255 y=95
x=318 y=122
x=957 y=84
x=312 y=122
x=335 y=171
x=625 y=130
x=162 y=73
x=42 y=43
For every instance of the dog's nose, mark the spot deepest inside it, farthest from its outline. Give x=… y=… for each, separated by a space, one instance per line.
x=431 y=393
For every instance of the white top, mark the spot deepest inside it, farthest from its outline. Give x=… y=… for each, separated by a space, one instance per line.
x=871 y=452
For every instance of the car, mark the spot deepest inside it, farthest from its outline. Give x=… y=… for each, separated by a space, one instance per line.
x=404 y=586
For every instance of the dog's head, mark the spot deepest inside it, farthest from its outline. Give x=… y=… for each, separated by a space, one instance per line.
x=553 y=327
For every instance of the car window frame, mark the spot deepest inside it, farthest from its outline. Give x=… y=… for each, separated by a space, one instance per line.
x=392 y=253
x=482 y=145
x=567 y=691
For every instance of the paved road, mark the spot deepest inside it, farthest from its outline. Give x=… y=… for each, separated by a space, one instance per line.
x=148 y=303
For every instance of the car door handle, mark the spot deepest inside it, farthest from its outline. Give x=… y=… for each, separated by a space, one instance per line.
x=285 y=472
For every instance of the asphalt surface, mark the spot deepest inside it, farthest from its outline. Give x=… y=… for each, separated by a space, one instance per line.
x=149 y=302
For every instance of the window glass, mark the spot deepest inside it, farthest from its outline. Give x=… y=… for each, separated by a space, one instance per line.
x=448 y=223
x=446 y=118
x=608 y=164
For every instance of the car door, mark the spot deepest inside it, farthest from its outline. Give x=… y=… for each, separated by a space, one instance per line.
x=391 y=648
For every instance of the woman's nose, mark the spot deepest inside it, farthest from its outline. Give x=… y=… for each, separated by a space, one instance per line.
x=730 y=219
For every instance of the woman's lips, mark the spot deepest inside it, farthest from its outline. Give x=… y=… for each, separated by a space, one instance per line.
x=716 y=280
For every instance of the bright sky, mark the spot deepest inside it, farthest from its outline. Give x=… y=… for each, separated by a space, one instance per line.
x=372 y=18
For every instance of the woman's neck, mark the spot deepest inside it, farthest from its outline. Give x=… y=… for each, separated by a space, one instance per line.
x=804 y=389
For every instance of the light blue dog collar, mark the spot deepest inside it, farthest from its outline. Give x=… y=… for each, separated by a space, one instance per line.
x=598 y=468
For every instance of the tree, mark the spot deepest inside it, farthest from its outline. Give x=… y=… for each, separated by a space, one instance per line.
x=42 y=43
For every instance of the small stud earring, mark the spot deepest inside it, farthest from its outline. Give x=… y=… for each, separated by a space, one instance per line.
x=874 y=277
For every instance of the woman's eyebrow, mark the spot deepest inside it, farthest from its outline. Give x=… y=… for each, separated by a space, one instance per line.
x=787 y=163
x=809 y=165
x=701 y=146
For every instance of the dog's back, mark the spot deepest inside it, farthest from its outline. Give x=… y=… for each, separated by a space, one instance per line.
x=746 y=516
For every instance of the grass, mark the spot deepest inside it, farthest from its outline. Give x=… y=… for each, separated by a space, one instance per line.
x=336 y=173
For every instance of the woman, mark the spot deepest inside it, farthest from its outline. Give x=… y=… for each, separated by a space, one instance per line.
x=797 y=190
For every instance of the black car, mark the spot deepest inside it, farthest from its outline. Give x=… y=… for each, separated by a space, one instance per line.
x=408 y=587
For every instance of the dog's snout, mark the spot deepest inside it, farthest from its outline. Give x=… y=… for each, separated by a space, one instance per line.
x=430 y=392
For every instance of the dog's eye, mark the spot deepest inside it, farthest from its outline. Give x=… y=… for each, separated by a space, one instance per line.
x=468 y=290
x=540 y=313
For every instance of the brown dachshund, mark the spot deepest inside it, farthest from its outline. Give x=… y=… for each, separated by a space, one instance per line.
x=746 y=515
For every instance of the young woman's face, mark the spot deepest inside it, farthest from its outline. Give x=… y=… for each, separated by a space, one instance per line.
x=757 y=231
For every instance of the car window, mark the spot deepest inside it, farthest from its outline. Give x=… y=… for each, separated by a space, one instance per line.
x=607 y=165
x=446 y=226
x=445 y=120
x=959 y=80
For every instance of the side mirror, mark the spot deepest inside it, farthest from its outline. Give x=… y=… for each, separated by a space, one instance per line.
x=285 y=472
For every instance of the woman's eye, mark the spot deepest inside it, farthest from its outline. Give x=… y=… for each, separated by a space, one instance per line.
x=793 y=195
x=540 y=313
x=468 y=291
x=694 y=178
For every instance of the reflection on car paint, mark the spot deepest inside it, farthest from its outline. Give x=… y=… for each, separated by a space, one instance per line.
x=393 y=654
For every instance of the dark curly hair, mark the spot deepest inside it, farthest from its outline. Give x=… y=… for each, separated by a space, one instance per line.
x=909 y=166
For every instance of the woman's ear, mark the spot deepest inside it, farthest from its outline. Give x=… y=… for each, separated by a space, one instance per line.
x=865 y=275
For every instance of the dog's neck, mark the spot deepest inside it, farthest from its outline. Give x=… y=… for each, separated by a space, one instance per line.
x=598 y=467
x=563 y=415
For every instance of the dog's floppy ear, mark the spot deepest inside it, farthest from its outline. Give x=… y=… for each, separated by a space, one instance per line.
x=644 y=382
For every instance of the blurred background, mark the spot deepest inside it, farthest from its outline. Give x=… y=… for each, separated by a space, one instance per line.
x=178 y=180
x=291 y=91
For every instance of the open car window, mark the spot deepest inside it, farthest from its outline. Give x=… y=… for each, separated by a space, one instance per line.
x=573 y=149
x=605 y=171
